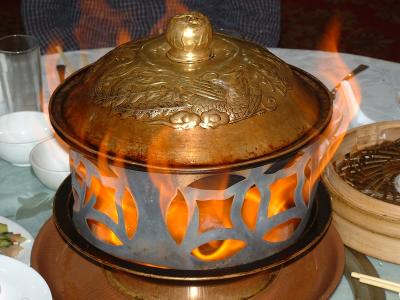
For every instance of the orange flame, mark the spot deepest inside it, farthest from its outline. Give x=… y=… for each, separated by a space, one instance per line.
x=105 y=202
x=281 y=199
x=123 y=36
x=106 y=198
x=251 y=205
x=172 y=8
x=214 y=214
x=282 y=195
x=217 y=250
x=346 y=104
x=177 y=217
x=331 y=37
x=99 y=12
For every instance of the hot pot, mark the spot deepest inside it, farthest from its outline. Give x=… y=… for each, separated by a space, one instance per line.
x=191 y=151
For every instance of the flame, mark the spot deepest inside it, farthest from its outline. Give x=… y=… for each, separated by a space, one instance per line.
x=346 y=103
x=331 y=36
x=282 y=195
x=103 y=232
x=123 y=36
x=100 y=12
x=106 y=197
x=177 y=217
x=172 y=8
x=164 y=183
x=251 y=205
x=281 y=199
x=217 y=250
x=105 y=203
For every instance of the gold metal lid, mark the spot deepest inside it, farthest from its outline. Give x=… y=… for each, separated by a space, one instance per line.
x=190 y=99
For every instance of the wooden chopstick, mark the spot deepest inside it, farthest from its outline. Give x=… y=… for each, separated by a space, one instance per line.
x=385 y=284
x=60 y=51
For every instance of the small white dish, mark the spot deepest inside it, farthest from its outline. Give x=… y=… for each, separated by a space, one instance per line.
x=50 y=162
x=19 y=133
x=18 y=281
x=25 y=254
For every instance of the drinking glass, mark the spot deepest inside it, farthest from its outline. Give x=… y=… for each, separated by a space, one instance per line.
x=20 y=74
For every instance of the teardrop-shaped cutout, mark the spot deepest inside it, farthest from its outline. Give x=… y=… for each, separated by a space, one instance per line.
x=250 y=207
x=103 y=233
x=130 y=212
x=282 y=195
x=81 y=169
x=90 y=191
x=105 y=198
x=307 y=186
x=79 y=179
x=80 y=173
x=177 y=218
x=218 y=250
x=77 y=203
x=282 y=232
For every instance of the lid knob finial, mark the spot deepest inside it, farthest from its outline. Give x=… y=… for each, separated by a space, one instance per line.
x=189 y=36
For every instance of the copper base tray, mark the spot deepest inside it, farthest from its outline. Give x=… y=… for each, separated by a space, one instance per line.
x=71 y=276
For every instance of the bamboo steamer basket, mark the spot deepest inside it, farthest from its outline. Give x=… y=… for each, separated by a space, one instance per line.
x=366 y=224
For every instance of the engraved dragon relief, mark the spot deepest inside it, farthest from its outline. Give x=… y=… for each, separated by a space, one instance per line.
x=161 y=96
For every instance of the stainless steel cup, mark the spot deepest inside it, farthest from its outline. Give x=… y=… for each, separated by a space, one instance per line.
x=20 y=74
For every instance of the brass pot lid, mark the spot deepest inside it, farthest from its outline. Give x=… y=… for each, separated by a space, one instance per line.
x=190 y=99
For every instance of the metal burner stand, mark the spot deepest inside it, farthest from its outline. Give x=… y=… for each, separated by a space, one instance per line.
x=76 y=270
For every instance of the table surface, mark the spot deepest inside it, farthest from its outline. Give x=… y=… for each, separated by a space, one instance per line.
x=25 y=200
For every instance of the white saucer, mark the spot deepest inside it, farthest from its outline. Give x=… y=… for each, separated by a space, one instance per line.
x=25 y=255
x=18 y=281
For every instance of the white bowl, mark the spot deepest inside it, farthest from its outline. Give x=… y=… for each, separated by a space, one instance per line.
x=19 y=133
x=50 y=162
x=18 y=281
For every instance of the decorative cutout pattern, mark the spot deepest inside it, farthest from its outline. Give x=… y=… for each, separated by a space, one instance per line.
x=240 y=219
x=130 y=213
x=250 y=207
x=282 y=195
x=177 y=218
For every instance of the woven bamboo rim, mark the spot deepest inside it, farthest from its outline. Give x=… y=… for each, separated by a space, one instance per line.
x=366 y=224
